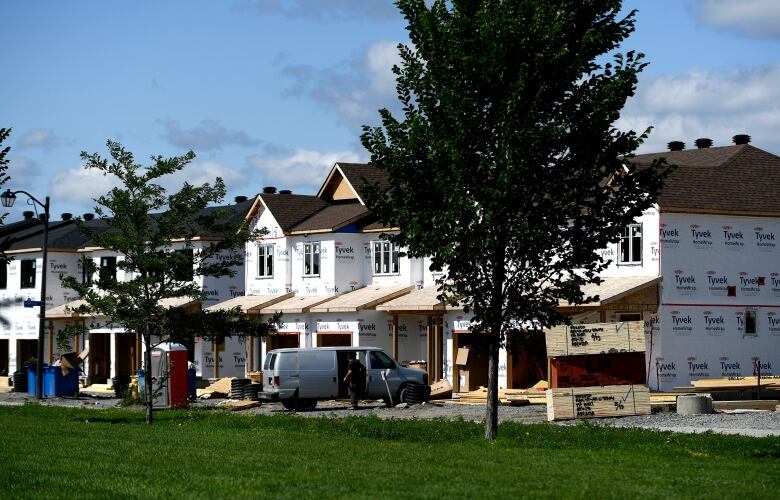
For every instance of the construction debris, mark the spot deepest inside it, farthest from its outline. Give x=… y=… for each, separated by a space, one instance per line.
x=219 y=389
x=512 y=397
x=441 y=390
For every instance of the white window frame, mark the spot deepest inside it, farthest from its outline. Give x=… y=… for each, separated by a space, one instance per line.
x=627 y=237
x=265 y=260
x=385 y=260
x=312 y=252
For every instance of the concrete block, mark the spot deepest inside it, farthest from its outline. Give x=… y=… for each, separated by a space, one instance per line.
x=696 y=404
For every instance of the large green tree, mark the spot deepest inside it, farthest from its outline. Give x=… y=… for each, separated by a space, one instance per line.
x=506 y=168
x=154 y=233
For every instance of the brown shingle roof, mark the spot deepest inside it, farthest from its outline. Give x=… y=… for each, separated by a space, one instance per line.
x=730 y=179
x=361 y=174
x=331 y=217
x=291 y=209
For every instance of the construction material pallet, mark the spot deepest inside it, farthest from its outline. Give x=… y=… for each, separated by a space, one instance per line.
x=596 y=402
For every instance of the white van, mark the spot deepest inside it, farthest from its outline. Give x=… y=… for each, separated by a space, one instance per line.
x=298 y=377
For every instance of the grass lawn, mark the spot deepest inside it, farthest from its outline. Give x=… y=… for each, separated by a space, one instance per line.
x=55 y=451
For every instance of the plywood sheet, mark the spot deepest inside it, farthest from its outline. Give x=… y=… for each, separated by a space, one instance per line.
x=595 y=338
x=597 y=402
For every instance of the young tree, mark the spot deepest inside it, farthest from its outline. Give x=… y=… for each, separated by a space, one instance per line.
x=506 y=168
x=143 y=223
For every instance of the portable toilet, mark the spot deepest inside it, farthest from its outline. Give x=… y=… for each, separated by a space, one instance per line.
x=169 y=375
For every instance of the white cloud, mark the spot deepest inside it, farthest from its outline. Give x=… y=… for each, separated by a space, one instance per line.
x=39 y=138
x=207 y=135
x=354 y=90
x=710 y=104
x=201 y=172
x=750 y=18
x=80 y=186
x=302 y=170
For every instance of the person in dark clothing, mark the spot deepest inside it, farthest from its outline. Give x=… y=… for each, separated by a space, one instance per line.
x=355 y=379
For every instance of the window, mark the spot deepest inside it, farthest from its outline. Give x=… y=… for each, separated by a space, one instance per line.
x=107 y=269
x=265 y=260
x=751 y=322
x=3 y=276
x=380 y=360
x=385 y=257
x=183 y=265
x=631 y=244
x=311 y=259
x=85 y=270
x=629 y=317
x=28 y=273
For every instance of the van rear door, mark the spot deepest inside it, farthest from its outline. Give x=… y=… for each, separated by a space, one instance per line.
x=318 y=374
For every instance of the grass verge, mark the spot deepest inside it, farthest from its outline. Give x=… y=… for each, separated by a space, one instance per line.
x=54 y=451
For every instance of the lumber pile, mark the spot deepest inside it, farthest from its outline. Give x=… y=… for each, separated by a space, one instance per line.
x=441 y=390
x=512 y=397
x=219 y=389
x=771 y=382
x=596 y=402
x=235 y=405
x=595 y=338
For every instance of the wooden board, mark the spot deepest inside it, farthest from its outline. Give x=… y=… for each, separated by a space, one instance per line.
x=736 y=383
x=747 y=404
x=595 y=338
x=597 y=402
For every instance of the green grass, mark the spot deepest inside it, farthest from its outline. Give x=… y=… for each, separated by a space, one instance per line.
x=57 y=452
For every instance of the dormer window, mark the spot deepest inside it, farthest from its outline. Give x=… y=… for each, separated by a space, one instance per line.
x=28 y=273
x=385 y=257
x=311 y=260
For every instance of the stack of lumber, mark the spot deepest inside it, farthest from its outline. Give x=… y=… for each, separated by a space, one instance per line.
x=255 y=377
x=514 y=397
x=219 y=389
x=5 y=385
x=595 y=338
x=595 y=402
x=234 y=405
x=441 y=390
x=736 y=383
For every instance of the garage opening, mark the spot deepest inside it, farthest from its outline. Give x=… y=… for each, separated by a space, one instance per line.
x=26 y=350
x=526 y=358
x=471 y=361
x=125 y=354
x=4 y=357
x=99 y=357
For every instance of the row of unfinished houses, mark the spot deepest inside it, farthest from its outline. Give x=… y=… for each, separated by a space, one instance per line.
x=701 y=269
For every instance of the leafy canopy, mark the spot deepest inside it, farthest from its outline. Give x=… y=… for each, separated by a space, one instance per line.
x=506 y=168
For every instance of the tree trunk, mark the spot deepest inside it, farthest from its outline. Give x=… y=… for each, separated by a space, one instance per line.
x=491 y=410
x=148 y=378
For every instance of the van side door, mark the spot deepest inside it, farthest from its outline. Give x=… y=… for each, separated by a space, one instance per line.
x=318 y=374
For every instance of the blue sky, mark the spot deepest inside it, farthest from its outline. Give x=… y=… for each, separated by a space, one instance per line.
x=273 y=92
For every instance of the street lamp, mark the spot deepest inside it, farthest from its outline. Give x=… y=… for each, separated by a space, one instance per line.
x=8 y=198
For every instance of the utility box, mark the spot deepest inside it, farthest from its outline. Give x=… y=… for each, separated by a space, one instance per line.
x=169 y=376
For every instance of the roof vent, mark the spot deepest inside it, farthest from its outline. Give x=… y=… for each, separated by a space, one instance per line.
x=28 y=214
x=269 y=190
x=676 y=146
x=285 y=191
x=88 y=216
x=240 y=199
x=741 y=139
x=703 y=143
x=66 y=216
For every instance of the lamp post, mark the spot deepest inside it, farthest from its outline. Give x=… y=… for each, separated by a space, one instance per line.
x=8 y=198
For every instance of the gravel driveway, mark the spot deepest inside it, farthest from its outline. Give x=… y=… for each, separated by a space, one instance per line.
x=748 y=423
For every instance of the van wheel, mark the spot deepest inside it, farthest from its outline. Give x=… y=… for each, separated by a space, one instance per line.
x=289 y=404
x=405 y=396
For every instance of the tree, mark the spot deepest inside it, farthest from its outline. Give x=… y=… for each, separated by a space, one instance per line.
x=506 y=168
x=144 y=224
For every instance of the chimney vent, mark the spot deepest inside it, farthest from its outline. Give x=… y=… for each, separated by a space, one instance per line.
x=66 y=216
x=741 y=139
x=88 y=216
x=28 y=214
x=269 y=190
x=676 y=146
x=240 y=199
x=703 y=143
x=285 y=191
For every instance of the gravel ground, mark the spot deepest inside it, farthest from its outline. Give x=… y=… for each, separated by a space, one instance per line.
x=748 y=423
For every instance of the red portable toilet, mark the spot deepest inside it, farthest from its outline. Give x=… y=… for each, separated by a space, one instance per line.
x=169 y=365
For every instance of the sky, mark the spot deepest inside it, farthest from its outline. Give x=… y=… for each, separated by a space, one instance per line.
x=274 y=92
